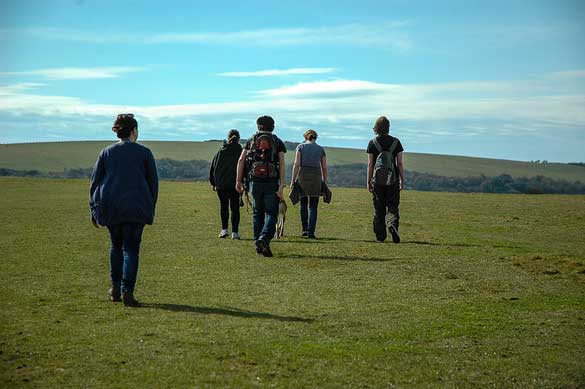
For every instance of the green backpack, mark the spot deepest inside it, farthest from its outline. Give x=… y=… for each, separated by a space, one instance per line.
x=385 y=171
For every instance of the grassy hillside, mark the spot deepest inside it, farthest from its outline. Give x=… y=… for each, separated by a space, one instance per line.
x=58 y=156
x=484 y=291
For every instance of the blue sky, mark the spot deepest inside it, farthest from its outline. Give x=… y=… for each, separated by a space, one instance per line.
x=501 y=79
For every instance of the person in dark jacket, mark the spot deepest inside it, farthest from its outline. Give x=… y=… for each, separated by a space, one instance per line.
x=122 y=197
x=222 y=177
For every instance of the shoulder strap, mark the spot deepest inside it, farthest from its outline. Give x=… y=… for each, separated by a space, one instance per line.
x=377 y=145
x=394 y=145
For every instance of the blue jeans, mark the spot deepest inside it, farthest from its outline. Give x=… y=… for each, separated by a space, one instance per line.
x=309 y=217
x=124 y=253
x=265 y=203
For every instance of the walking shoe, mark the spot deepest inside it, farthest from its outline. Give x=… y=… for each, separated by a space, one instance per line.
x=115 y=294
x=235 y=236
x=129 y=300
x=224 y=233
x=379 y=241
x=264 y=248
x=305 y=234
x=311 y=236
x=393 y=230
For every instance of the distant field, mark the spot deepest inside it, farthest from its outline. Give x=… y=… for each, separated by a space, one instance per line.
x=484 y=291
x=55 y=157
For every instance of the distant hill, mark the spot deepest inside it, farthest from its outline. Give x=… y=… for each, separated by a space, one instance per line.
x=57 y=156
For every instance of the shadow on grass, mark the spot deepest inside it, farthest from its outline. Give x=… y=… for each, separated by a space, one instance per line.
x=341 y=258
x=420 y=242
x=224 y=311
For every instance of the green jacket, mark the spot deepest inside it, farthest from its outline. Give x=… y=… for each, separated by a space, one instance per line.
x=222 y=173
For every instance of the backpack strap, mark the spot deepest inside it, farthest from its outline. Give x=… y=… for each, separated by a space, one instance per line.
x=377 y=145
x=394 y=145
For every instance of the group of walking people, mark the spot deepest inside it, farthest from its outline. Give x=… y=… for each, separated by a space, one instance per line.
x=124 y=189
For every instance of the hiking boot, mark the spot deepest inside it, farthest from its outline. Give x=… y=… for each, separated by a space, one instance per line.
x=115 y=294
x=223 y=234
x=235 y=236
x=393 y=230
x=263 y=247
x=129 y=300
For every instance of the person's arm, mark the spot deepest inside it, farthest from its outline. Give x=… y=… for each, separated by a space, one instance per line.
x=400 y=169
x=97 y=176
x=152 y=177
x=240 y=172
x=324 y=168
x=281 y=175
x=296 y=166
x=211 y=171
x=371 y=162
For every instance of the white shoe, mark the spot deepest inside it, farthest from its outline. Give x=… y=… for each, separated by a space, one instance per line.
x=223 y=233
x=235 y=236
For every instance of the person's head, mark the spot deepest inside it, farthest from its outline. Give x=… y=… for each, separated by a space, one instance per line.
x=265 y=123
x=310 y=135
x=382 y=126
x=233 y=136
x=125 y=125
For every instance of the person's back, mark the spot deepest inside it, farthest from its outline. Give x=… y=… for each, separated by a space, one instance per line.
x=224 y=165
x=126 y=195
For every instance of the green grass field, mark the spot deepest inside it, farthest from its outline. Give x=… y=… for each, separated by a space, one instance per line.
x=54 y=157
x=485 y=290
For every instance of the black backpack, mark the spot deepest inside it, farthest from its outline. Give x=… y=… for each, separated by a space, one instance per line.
x=385 y=171
x=262 y=160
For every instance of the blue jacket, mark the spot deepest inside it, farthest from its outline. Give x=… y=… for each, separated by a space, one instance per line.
x=124 y=185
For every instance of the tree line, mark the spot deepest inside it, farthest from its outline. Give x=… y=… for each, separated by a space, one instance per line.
x=353 y=175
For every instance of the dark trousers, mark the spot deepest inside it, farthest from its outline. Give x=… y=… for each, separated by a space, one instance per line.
x=386 y=201
x=229 y=199
x=124 y=255
x=265 y=209
x=309 y=216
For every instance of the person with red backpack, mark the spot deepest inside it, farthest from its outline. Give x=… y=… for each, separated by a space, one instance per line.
x=262 y=163
x=385 y=179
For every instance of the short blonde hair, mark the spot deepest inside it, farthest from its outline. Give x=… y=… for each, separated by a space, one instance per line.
x=310 y=135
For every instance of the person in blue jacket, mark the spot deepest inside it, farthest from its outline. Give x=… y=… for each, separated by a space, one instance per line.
x=122 y=197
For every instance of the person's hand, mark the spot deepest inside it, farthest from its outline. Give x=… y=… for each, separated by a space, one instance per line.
x=401 y=185
x=214 y=188
x=94 y=223
x=239 y=187
x=280 y=193
x=370 y=187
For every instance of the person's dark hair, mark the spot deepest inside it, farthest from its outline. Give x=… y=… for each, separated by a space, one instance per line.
x=233 y=136
x=124 y=124
x=265 y=123
x=310 y=135
x=382 y=126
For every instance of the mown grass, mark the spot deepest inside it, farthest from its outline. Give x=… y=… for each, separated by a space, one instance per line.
x=57 y=156
x=485 y=290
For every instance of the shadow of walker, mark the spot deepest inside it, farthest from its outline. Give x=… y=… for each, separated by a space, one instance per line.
x=224 y=311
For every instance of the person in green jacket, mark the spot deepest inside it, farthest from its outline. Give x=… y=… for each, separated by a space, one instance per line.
x=222 y=177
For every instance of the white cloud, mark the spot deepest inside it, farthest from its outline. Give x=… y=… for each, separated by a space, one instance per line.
x=275 y=72
x=570 y=74
x=344 y=109
x=76 y=73
x=389 y=35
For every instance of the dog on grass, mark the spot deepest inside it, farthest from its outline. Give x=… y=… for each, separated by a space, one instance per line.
x=281 y=219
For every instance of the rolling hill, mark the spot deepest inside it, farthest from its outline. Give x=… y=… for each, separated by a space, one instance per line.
x=57 y=156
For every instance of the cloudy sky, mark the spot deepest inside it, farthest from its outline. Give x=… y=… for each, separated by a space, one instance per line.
x=501 y=79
